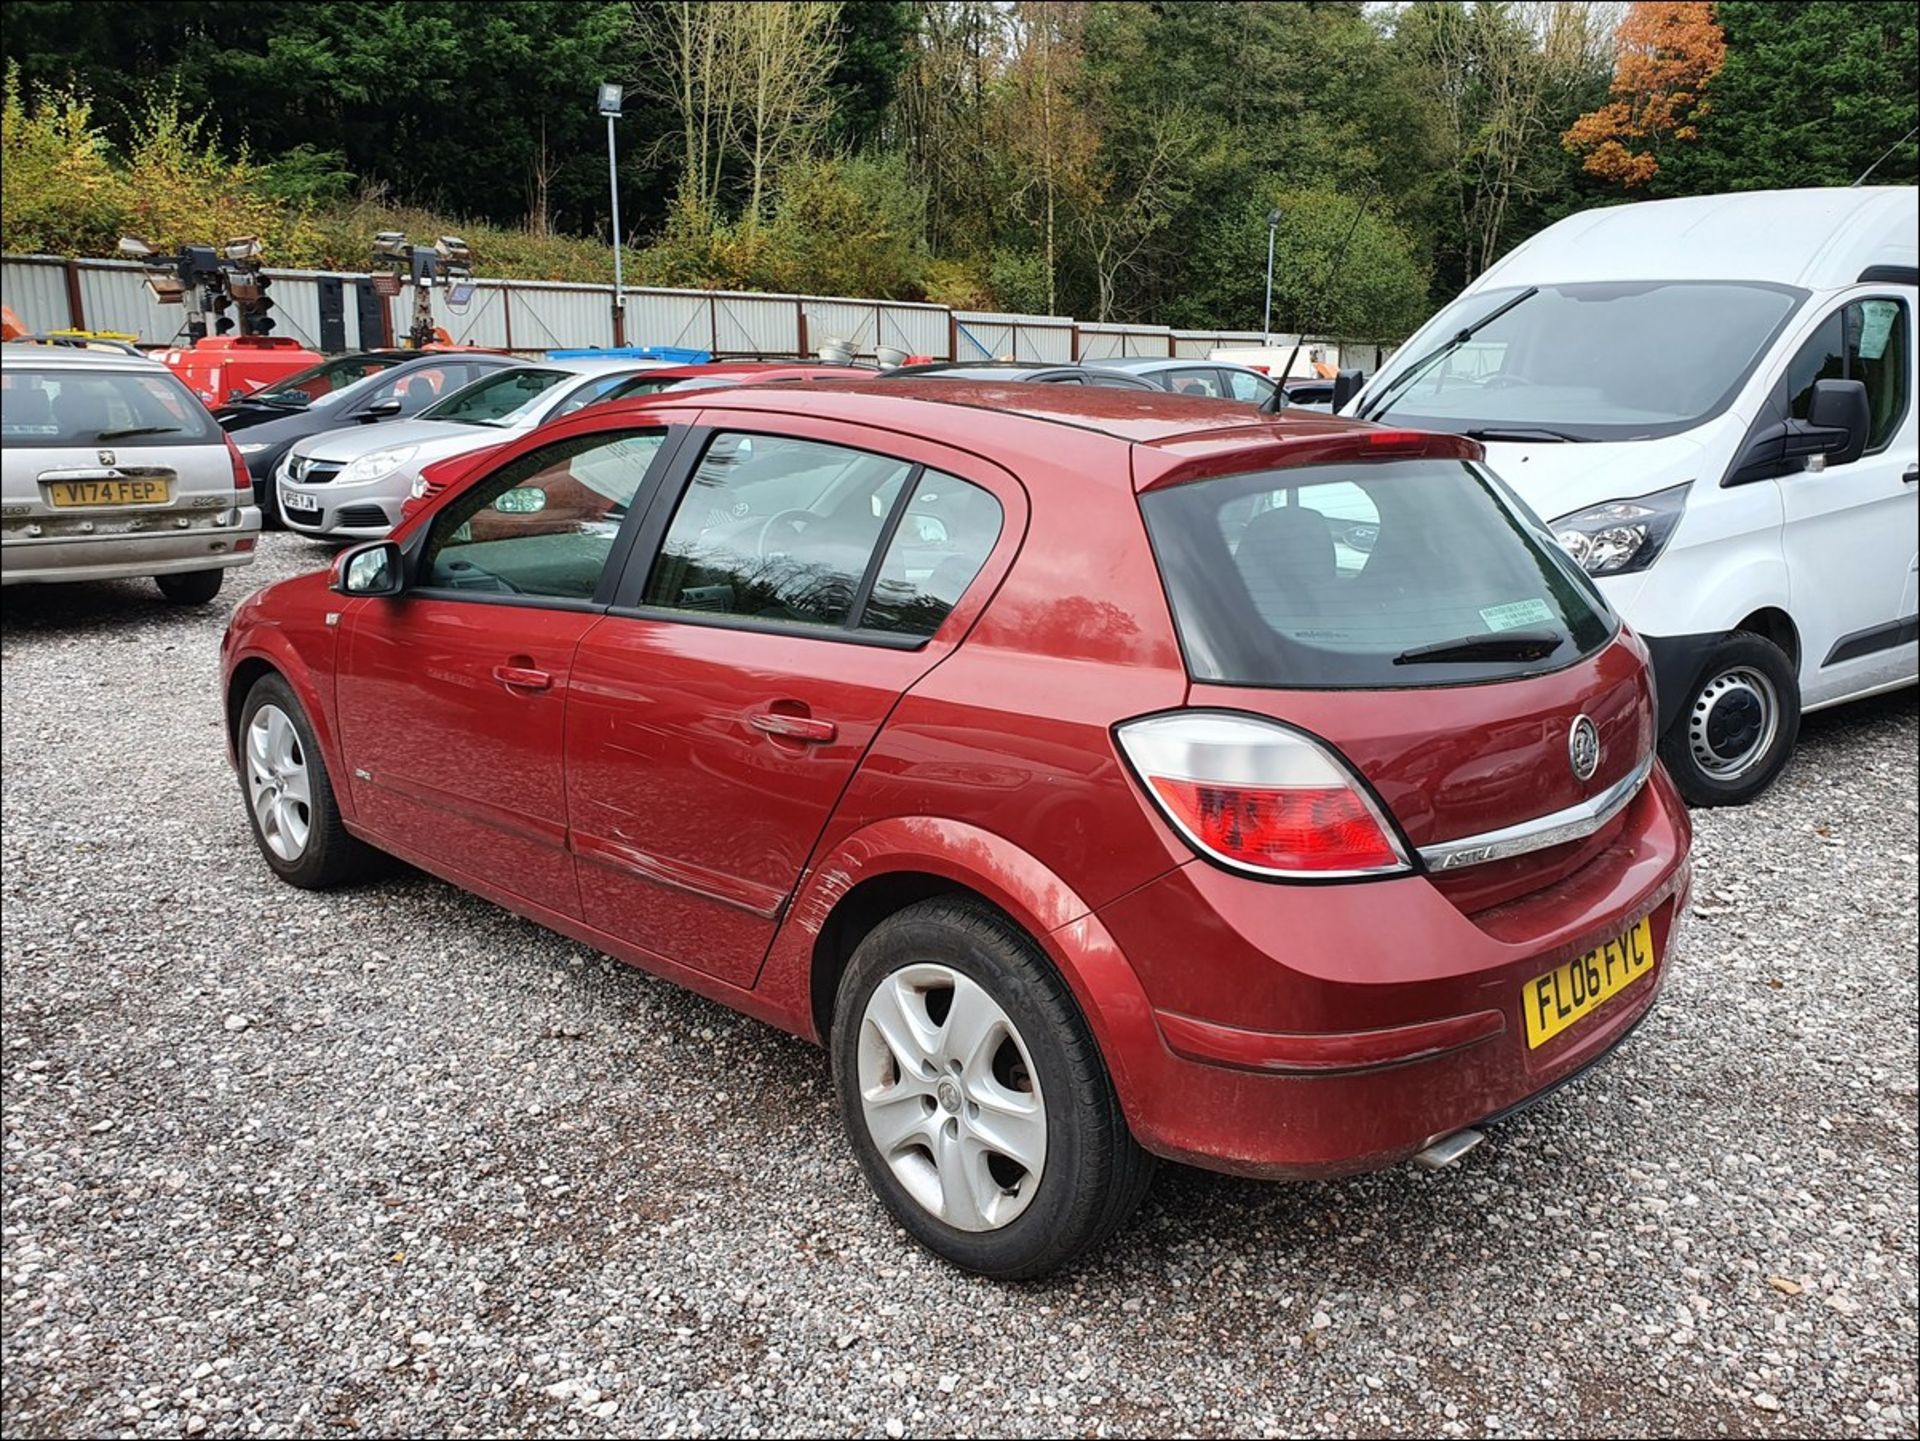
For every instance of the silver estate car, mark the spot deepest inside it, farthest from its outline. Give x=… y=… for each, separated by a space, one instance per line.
x=112 y=468
x=350 y=484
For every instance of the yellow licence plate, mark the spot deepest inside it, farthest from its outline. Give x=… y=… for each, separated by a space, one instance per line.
x=1563 y=995
x=68 y=493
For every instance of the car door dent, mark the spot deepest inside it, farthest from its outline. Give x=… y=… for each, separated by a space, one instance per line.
x=727 y=890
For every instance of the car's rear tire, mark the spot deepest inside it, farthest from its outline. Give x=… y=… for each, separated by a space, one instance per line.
x=289 y=796
x=1736 y=730
x=975 y=1097
x=192 y=587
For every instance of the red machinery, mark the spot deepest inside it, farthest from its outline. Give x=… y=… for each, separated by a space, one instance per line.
x=220 y=367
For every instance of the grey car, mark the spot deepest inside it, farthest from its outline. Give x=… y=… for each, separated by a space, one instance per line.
x=112 y=468
x=1190 y=375
x=350 y=484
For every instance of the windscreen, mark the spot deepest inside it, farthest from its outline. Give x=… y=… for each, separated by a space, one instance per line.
x=325 y=378
x=101 y=407
x=1420 y=572
x=1612 y=361
x=499 y=399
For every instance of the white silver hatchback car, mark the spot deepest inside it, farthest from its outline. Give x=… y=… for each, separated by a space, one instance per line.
x=111 y=469
x=350 y=484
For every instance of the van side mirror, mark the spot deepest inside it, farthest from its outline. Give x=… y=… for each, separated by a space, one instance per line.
x=1346 y=385
x=382 y=408
x=1840 y=417
x=375 y=568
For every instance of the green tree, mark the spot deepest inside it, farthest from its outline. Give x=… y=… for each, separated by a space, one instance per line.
x=1379 y=292
x=1811 y=94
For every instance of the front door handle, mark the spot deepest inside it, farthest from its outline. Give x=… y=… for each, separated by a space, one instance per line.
x=1912 y=477
x=521 y=677
x=794 y=727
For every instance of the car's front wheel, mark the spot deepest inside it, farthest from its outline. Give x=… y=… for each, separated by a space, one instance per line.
x=975 y=1097
x=193 y=587
x=289 y=796
x=1736 y=731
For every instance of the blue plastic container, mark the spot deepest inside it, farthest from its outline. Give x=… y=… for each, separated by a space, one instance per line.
x=672 y=354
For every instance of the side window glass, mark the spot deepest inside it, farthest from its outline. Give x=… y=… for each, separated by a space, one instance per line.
x=776 y=529
x=1877 y=349
x=1197 y=382
x=1245 y=385
x=943 y=539
x=544 y=524
x=1865 y=340
x=1821 y=358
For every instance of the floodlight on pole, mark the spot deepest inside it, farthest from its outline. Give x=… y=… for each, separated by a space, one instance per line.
x=609 y=103
x=1266 y=315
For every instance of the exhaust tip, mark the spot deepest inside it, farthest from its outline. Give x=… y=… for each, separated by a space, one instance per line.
x=1448 y=1149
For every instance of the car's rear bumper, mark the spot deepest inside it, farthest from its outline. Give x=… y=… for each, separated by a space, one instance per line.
x=121 y=557
x=1315 y=1031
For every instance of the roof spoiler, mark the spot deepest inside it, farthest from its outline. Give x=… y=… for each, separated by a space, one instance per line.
x=1343 y=447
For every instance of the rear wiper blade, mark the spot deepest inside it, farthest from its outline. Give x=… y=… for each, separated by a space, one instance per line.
x=1523 y=432
x=1507 y=645
x=125 y=431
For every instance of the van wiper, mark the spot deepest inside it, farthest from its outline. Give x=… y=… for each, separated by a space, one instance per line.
x=1523 y=432
x=1507 y=645
x=1378 y=407
x=125 y=431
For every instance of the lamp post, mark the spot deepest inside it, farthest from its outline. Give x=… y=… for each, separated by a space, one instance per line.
x=610 y=107
x=1266 y=315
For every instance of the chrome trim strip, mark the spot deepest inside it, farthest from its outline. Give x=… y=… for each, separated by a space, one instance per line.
x=1574 y=823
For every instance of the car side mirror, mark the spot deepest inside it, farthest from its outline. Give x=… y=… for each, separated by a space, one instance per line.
x=381 y=409
x=1346 y=385
x=1841 y=417
x=375 y=568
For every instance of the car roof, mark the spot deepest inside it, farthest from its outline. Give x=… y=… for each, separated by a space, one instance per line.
x=1022 y=419
x=1006 y=369
x=67 y=357
x=1146 y=364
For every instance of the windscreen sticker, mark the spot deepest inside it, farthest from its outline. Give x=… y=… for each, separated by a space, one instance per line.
x=1875 y=326
x=1517 y=613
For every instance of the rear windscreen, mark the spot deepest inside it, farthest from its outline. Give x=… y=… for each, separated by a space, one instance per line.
x=101 y=407
x=1343 y=575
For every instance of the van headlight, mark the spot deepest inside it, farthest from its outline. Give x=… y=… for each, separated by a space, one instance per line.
x=1618 y=537
x=378 y=464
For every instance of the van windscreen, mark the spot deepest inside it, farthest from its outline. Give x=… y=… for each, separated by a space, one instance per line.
x=1375 y=574
x=1615 y=360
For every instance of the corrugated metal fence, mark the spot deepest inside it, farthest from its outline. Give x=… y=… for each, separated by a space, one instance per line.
x=533 y=315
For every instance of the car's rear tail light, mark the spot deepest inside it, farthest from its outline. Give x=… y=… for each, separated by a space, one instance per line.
x=241 y=479
x=1260 y=797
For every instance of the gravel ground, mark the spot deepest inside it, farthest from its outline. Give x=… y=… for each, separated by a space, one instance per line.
x=392 y=1160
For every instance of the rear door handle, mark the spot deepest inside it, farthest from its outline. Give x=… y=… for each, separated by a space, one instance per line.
x=794 y=727
x=520 y=677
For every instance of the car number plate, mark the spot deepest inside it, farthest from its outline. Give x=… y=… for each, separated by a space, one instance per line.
x=66 y=494
x=1566 y=993
x=294 y=500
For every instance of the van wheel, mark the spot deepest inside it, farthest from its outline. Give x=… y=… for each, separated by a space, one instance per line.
x=290 y=804
x=975 y=1097
x=193 y=587
x=1737 y=729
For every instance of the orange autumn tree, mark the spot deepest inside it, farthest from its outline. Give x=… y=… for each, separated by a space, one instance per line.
x=1667 y=54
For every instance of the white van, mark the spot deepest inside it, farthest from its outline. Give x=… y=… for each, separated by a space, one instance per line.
x=1714 y=400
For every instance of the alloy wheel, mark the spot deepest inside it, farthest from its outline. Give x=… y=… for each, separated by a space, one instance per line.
x=950 y=1097
x=278 y=783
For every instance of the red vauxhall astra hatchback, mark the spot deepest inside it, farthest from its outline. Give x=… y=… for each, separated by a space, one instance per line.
x=1100 y=775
